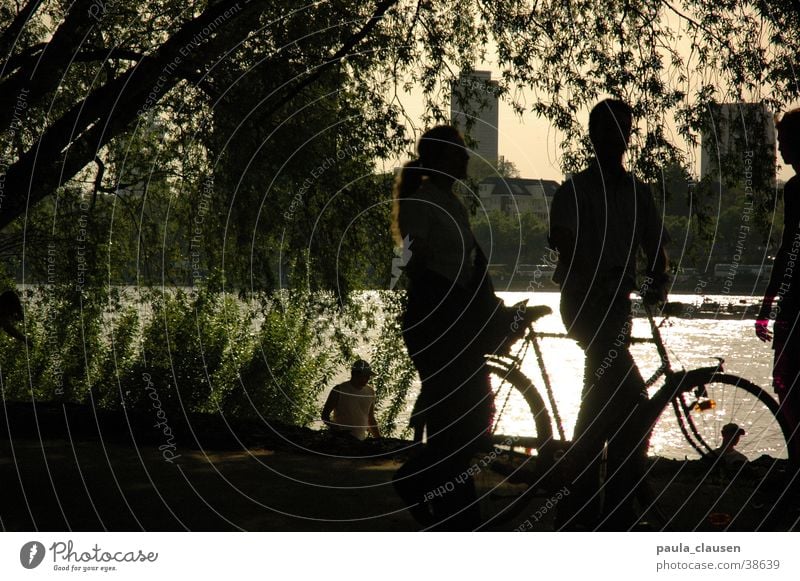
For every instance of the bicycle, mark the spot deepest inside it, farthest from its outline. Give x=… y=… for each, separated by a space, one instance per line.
x=701 y=401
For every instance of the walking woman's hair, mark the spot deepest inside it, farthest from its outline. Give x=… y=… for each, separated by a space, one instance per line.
x=432 y=146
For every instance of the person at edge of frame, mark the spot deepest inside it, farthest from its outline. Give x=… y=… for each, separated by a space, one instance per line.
x=785 y=335
x=599 y=220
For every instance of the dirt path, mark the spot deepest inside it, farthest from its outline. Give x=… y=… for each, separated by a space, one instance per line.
x=91 y=486
x=112 y=470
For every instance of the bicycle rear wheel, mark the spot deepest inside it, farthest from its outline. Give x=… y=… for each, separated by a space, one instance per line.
x=510 y=476
x=698 y=488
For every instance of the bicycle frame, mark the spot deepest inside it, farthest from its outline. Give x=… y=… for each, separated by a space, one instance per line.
x=673 y=379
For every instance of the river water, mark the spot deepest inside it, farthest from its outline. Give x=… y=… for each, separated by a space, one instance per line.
x=692 y=343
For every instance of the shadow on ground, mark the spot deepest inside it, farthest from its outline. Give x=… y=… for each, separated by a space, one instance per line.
x=67 y=468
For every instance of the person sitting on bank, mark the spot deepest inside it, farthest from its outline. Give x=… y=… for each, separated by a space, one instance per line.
x=11 y=313
x=352 y=405
x=727 y=452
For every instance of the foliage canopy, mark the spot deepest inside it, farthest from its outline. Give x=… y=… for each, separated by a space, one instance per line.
x=126 y=116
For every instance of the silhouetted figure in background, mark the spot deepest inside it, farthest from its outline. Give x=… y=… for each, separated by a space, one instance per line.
x=11 y=313
x=450 y=299
x=599 y=220
x=350 y=407
x=784 y=283
x=727 y=452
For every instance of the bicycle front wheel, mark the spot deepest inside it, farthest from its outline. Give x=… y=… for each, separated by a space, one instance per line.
x=705 y=406
x=510 y=476
x=699 y=487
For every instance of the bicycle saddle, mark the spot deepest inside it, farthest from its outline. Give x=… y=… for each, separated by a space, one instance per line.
x=535 y=313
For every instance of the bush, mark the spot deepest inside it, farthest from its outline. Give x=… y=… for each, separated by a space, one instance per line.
x=270 y=356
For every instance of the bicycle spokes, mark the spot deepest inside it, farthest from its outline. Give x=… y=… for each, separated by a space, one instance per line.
x=701 y=412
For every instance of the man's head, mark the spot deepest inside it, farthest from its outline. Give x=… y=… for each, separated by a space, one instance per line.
x=789 y=137
x=610 y=123
x=360 y=373
x=731 y=433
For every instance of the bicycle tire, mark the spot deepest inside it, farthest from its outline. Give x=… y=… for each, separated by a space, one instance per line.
x=506 y=480
x=707 y=493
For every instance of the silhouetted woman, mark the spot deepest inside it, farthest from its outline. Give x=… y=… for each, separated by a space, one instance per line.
x=449 y=297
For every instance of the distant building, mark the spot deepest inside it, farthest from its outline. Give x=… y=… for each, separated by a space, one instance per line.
x=738 y=138
x=474 y=110
x=517 y=195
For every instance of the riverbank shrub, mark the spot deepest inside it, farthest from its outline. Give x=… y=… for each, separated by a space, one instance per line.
x=271 y=356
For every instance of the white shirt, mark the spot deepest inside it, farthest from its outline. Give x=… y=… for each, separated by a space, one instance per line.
x=352 y=409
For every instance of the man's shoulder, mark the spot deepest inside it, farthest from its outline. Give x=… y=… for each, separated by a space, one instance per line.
x=735 y=458
x=348 y=388
x=592 y=178
x=570 y=187
x=575 y=180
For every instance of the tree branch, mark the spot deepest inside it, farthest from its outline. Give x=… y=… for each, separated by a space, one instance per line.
x=98 y=181
x=724 y=42
x=72 y=141
x=21 y=59
x=338 y=56
x=10 y=35
x=51 y=66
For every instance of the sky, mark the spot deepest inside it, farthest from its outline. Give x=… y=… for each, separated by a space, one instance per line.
x=531 y=143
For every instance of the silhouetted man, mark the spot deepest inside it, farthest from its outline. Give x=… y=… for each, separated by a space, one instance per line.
x=599 y=220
